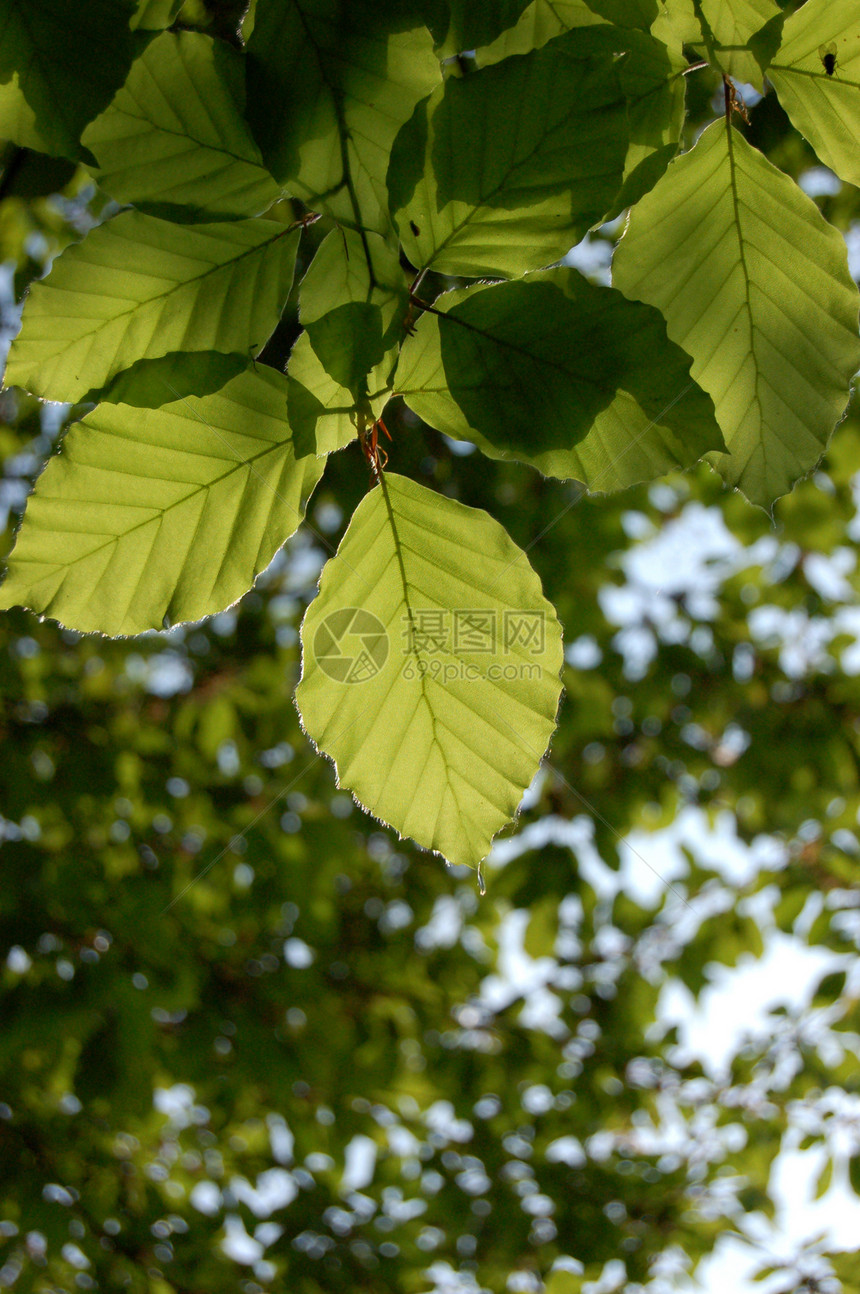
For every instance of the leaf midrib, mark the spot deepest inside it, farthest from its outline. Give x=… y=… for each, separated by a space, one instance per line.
x=178 y=286
x=157 y=512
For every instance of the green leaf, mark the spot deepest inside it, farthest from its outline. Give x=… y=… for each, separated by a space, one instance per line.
x=512 y=370
x=33 y=175
x=152 y=382
x=322 y=413
x=174 y=138
x=767 y=40
x=351 y=266
x=353 y=303
x=342 y=363
x=826 y=109
x=651 y=77
x=478 y=22
x=519 y=159
x=59 y=65
x=344 y=77
x=141 y=288
x=540 y=22
x=681 y=18
x=153 y=15
x=739 y=22
x=164 y=514
x=627 y=13
x=564 y=105
x=430 y=668
x=532 y=369
x=755 y=286
x=731 y=25
x=348 y=343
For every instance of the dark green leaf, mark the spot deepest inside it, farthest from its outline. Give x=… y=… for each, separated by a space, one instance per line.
x=348 y=343
x=533 y=370
x=478 y=22
x=344 y=78
x=60 y=64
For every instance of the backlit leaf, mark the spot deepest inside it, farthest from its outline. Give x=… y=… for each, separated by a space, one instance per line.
x=353 y=302
x=344 y=78
x=504 y=170
x=59 y=65
x=141 y=288
x=147 y=516
x=430 y=668
x=730 y=26
x=826 y=109
x=174 y=138
x=562 y=374
x=154 y=15
x=650 y=74
x=478 y=22
x=755 y=286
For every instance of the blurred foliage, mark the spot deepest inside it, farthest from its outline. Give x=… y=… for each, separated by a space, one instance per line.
x=249 y=1041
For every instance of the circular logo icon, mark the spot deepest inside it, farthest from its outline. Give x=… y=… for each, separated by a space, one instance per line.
x=351 y=645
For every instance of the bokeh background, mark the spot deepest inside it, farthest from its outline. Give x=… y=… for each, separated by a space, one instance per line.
x=249 y=1040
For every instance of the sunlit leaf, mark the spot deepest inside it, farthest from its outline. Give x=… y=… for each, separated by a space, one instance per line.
x=561 y=374
x=344 y=79
x=478 y=22
x=431 y=668
x=141 y=288
x=539 y=23
x=322 y=413
x=174 y=139
x=826 y=109
x=353 y=303
x=650 y=74
x=504 y=170
x=755 y=286
x=730 y=26
x=59 y=65
x=154 y=15
x=152 y=382
x=162 y=515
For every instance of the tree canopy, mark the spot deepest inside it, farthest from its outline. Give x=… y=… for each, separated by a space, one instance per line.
x=572 y=568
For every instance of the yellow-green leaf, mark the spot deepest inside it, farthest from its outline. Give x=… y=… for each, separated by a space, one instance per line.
x=754 y=284
x=825 y=108
x=430 y=668
x=162 y=515
x=140 y=288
